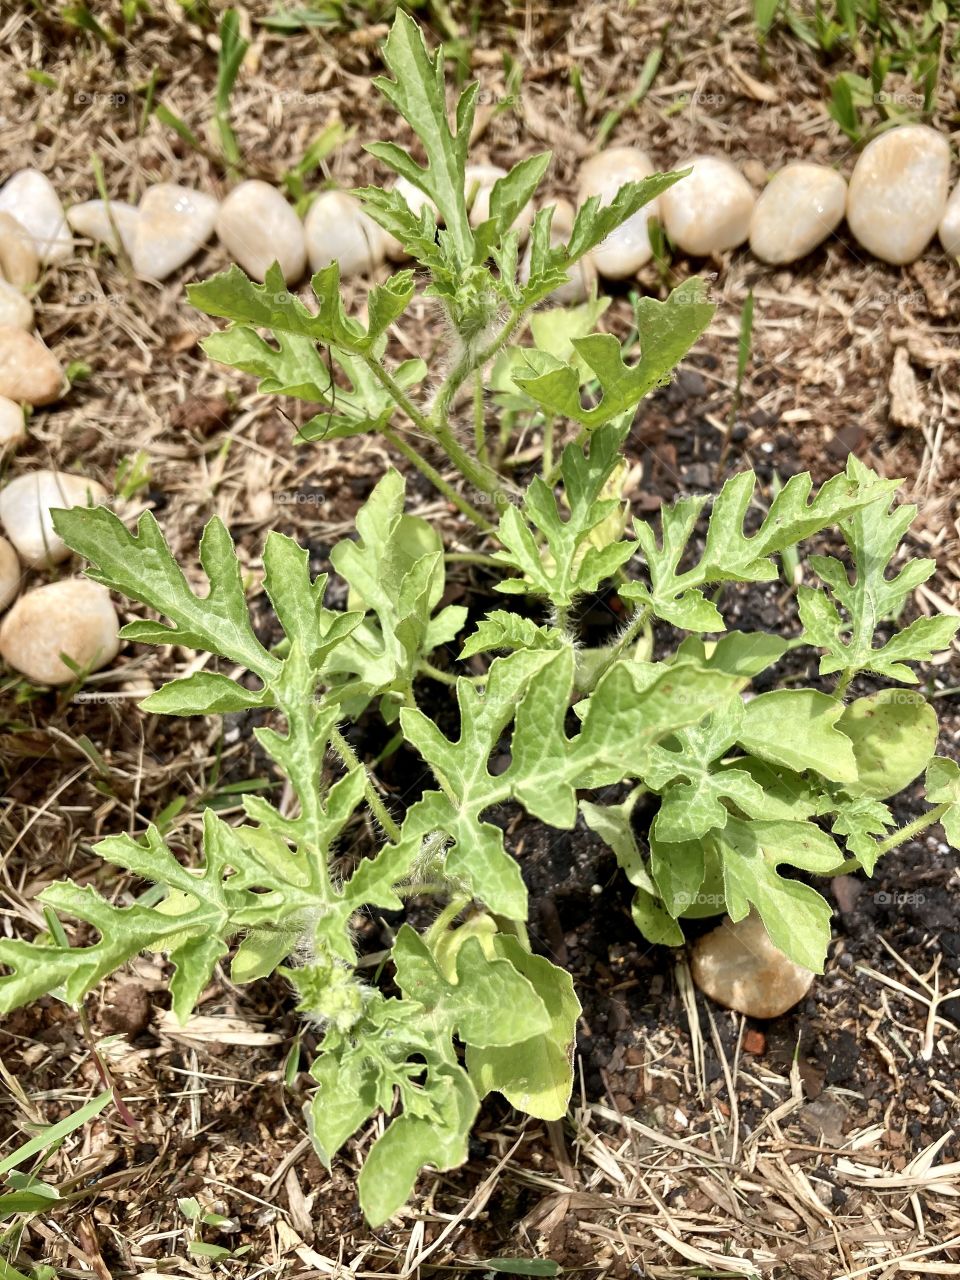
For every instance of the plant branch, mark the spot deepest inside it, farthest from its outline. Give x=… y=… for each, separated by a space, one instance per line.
x=350 y=760
x=912 y=829
x=436 y=479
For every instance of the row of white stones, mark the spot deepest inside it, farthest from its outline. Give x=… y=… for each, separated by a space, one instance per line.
x=896 y=201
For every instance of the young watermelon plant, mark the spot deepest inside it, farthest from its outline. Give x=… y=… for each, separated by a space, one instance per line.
x=752 y=789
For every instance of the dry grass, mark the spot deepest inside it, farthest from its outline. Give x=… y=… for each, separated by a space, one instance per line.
x=703 y=1157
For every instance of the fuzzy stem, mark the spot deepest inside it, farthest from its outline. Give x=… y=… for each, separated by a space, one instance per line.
x=548 y=426
x=840 y=688
x=479 y=421
x=627 y=636
x=912 y=829
x=436 y=479
x=350 y=760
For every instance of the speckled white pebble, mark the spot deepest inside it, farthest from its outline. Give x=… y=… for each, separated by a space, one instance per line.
x=96 y=220
x=949 y=229
x=13 y=431
x=257 y=228
x=796 y=211
x=75 y=617
x=709 y=210
x=25 y=506
x=627 y=248
x=15 y=309
x=898 y=192
x=31 y=198
x=10 y=573
x=337 y=229
x=173 y=222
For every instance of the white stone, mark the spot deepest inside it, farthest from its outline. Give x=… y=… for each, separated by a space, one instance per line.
x=99 y=221
x=582 y=276
x=13 y=429
x=10 y=573
x=898 y=192
x=28 y=371
x=738 y=966
x=627 y=248
x=19 y=263
x=25 y=506
x=75 y=617
x=173 y=222
x=15 y=309
x=710 y=209
x=257 y=228
x=30 y=197
x=796 y=211
x=337 y=229
x=478 y=185
x=949 y=229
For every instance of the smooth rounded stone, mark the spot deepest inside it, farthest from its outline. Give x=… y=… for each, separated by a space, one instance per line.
x=478 y=183
x=75 y=617
x=627 y=248
x=898 y=192
x=13 y=430
x=99 y=221
x=738 y=966
x=30 y=197
x=337 y=230
x=796 y=211
x=173 y=222
x=25 y=506
x=19 y=263
x=710 y=209
x=257 y=228
x=28 y=371
x=582 y=276
x=10 y=573
x=949 y=229
x=15 y=310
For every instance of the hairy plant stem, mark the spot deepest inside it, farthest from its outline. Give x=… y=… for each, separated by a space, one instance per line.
x=472 y=360
x=840 y=688
x=627 y=636
x=350 y=760
x=912 y=829
x=479 y=421
x=475 y=473
x=436 y=479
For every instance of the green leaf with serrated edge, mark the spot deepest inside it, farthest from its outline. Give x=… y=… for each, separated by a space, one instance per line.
x=691 y=808
x=536 y=1074
x=633 y=706
x=395 y=569
x=858 y=820
x=678 y=871
x=942 y=785
x=570 y=564
x=345 y=1097
x=799 y=729
x=731 y=555
x=612 y=824
x=739 y=653
x=491 y=1003
x=502 y=630
x=139 y=565
x=417 y=93
x=795 y=916
x=512 y=193
x=553 y=331
x=204 y=693
x=191 y=935
x=231 y=295
x=894 y=734
x=873 y=536
x=417 y=233
x=667 y=332
x=260 y=954
x=787 y=794
x=411 y=1142
x=298 y=600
